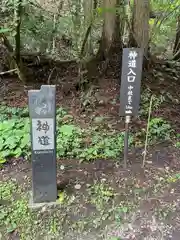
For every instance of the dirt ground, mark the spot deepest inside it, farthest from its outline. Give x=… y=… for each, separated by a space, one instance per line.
x=145 y=203
x=101 y=199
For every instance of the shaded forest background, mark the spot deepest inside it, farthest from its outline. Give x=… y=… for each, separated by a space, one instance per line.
x=89 y=34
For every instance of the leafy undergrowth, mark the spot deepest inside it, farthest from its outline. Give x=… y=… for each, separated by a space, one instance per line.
x=73 y=141
x=159 y=130
x=66 y=220
x=144 y=104
x=177 y=144
x=14 y=209
x=14 y=138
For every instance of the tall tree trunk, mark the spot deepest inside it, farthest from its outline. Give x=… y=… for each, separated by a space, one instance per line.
x=176 y=50
x=139 y=37
x=85 y=56
x=111 y=28
x=110 y=38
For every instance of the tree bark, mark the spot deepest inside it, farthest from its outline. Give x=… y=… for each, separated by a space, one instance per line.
x=21 y=71
x=111 y=29
x=176 y=49
x=89 y=7
x=139 y=37
x=18 y=13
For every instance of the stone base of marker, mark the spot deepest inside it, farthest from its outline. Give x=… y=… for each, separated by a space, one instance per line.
x=32 y=205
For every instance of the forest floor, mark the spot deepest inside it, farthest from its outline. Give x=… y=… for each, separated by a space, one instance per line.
x=101 y=200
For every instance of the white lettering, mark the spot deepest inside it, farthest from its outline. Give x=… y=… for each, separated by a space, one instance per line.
x=129 y=100
x=128 y=112
x=131 y=78
x=132 y=63
x=130 y=87
x=129 y=107
x=131 y=72
x=130 y=93
x=133 y=55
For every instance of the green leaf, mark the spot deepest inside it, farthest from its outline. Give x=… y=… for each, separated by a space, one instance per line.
x=6 y=153
x=124 y=209
x=61 y=197
x=177 y=144
x=6 y=125
x=67 y=129
x=12 y=227
x=2 y=160
x=18 y=152
x=11 y=142
x=177 y=175
x=25 y=140
x=99 y=10
x=5 y=30
x=1 y=143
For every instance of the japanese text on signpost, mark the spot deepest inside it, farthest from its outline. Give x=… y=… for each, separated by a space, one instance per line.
x=130 y=81
x=43 y=133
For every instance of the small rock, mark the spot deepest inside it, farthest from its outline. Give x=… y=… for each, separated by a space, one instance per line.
x=43 y=209
x=172 y=191
x=77 y=186
x=149 y=162
x=101 y=102
x=98 y=119
x=62 y=167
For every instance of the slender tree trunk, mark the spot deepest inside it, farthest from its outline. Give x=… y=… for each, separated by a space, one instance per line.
x=126 y=20
x=88 y=18
x=20 y=68
x=176 y=50
x=18 y=29
x=139 y=37
x=77 y=21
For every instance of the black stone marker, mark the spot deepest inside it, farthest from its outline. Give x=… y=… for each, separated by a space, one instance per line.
x=42 y=109
x=130 y=89
x=131 y=81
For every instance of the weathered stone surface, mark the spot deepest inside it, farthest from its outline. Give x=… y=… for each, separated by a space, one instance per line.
x=43 y=141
